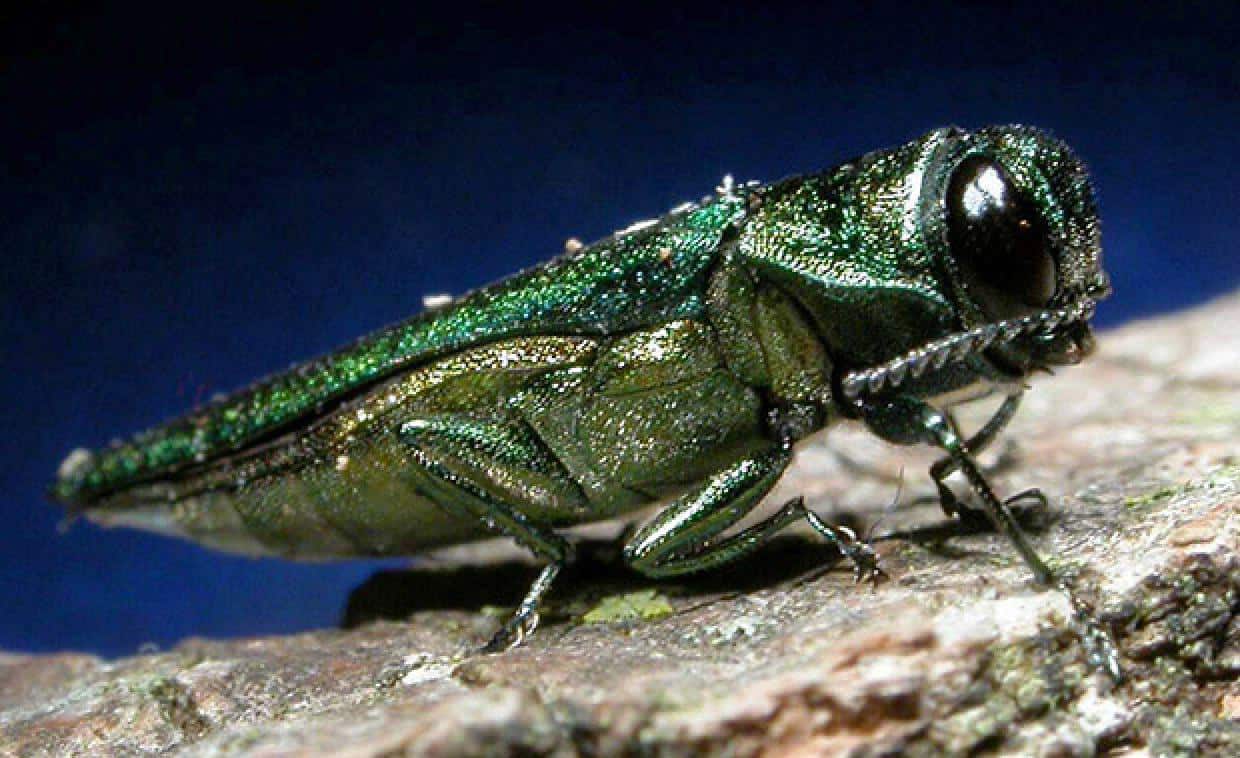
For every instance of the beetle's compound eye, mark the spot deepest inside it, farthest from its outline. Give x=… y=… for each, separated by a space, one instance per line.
x=999 y=241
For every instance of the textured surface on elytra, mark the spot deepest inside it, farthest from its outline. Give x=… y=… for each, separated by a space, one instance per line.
x=618 y=284
x=1137 y=450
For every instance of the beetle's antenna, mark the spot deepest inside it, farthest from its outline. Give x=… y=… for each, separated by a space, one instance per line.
x=887 y=511
x=959 y=346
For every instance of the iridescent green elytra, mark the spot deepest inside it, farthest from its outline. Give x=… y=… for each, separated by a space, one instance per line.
x=681 y=358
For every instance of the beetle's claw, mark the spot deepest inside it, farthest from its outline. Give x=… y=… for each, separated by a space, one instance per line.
x=950 y=504
x=857 y=551
x=1031 y=503
x=1101 y=651
x=1100 y=648
x=863 y=558
x=865 y=564
x=1037 y=499
x=512 y=633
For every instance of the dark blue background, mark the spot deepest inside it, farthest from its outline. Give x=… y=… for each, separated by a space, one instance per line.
x=189 y=202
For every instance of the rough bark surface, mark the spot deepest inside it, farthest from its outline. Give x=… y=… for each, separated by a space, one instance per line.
x=958 y=653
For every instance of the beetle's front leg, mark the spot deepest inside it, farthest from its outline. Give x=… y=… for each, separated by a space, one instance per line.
x=681 y=538
x=907 y=420
x=946 y=466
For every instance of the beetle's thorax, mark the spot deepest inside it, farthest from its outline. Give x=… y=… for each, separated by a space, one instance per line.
x=845 y=245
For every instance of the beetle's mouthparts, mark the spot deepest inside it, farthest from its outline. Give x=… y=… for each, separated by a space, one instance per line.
x=1069 y=346
x=1045 y=325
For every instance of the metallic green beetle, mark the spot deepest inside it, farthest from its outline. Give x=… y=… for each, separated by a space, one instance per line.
x=680 y=358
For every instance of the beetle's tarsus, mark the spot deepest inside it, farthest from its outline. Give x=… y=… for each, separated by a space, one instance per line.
x=1100 y=648
x=524 y=619
x=511 y=634
x=863 y=558
x=865 y=565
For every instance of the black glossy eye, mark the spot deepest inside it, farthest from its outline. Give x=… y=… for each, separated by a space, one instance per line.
x=999 y=241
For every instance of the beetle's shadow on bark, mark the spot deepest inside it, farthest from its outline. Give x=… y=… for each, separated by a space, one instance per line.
x=599 y=571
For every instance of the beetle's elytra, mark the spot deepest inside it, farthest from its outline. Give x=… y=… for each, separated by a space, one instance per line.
x=683 y=358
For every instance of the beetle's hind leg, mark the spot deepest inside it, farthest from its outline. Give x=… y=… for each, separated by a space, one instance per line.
x=681 y=539
x=501 y=475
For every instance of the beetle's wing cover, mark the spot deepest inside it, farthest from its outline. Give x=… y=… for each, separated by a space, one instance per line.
x=641 y=276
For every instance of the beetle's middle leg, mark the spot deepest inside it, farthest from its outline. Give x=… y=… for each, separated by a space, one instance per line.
x=501 y=475
x=681 y=538
x=946 y=466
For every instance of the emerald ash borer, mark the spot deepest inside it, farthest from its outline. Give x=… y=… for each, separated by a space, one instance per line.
x=679 y=361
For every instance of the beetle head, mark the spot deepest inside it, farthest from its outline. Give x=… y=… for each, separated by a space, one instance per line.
x=1014 y=217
